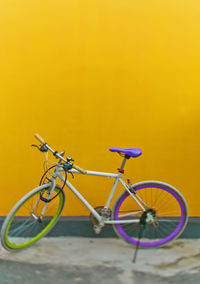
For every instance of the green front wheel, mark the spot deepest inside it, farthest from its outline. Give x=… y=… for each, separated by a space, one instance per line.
x=32 y=217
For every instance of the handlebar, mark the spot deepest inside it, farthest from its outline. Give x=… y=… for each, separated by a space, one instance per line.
x=79 y=169
x=38 y=137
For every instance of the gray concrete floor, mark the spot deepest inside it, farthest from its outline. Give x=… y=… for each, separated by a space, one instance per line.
x=108 y=261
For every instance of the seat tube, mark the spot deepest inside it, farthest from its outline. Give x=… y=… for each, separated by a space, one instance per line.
x=116 y=183
x=123 y=164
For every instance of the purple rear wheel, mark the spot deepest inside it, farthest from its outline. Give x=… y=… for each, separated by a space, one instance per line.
x=166 y=215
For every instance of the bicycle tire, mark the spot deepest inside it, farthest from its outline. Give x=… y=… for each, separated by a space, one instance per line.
x=22 y=227
x=169 y=218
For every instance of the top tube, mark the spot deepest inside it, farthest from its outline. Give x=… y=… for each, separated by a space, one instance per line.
x=94 y=173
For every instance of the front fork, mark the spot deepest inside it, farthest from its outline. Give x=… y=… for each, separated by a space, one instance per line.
x=50 y=190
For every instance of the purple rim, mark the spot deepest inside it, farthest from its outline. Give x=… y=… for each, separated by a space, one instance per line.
x=158 y=243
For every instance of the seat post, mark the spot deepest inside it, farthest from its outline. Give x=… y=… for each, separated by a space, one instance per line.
x=123 y=163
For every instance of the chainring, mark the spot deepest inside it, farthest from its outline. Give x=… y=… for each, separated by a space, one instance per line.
x=105 y=212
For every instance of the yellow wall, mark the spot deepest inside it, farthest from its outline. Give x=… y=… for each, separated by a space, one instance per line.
x=93 y=74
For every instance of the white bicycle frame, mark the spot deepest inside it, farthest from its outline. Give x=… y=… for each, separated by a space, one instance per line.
x=118 y=179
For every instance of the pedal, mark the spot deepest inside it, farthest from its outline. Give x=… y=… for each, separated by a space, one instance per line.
x=97 y=229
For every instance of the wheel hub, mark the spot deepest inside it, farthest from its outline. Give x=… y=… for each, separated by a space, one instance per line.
x=149 y=217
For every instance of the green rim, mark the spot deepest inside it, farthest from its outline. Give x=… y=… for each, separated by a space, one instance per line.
x=43 y=232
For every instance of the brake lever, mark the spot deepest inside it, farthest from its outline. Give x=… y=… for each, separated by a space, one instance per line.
x=42 y=148
x=34 y=145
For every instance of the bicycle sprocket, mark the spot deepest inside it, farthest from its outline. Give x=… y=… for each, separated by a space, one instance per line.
x=105 y=212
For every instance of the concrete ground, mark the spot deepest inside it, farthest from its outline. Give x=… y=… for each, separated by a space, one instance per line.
x=89 y=260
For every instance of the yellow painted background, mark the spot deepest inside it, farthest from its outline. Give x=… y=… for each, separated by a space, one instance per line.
x=93 y=74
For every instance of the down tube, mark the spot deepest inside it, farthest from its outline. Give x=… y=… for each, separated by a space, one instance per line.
x=82 y=199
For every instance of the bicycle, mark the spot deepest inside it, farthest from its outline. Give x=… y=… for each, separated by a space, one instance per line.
x=146 y=214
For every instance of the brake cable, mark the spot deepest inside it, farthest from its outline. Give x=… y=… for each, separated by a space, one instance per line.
x=44 y=149
x=60 y=189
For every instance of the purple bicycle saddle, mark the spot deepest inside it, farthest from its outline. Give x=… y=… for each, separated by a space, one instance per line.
x=132 y=152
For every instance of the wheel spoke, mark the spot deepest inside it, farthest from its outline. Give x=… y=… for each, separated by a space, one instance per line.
x=26 y=225
x=165 y=217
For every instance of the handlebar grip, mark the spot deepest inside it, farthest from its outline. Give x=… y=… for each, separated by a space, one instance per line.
x=37 y=136
x=79 y=169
